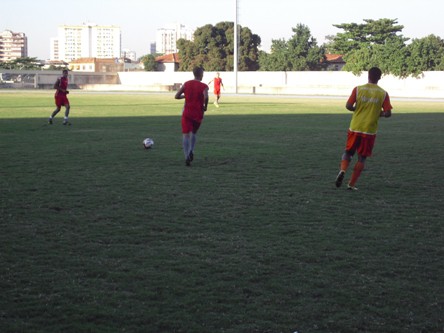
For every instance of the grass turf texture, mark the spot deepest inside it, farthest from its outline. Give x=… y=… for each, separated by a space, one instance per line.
x=100 y=235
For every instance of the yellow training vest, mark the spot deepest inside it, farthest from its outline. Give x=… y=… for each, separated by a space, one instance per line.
x=369 y=100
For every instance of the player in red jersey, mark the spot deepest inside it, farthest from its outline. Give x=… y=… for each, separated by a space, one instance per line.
x=368 y=103
x=217 y=84
x=61 y=98
x=195 y=94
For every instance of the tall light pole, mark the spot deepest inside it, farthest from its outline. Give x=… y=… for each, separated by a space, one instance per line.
x=235 y=46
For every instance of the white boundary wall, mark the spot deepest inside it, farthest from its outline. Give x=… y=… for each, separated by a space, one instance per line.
x=328 y=83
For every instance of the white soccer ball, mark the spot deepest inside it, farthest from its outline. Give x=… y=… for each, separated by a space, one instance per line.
x=148 y=143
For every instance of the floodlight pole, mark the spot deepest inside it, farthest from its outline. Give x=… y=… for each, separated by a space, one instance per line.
x=235 y=47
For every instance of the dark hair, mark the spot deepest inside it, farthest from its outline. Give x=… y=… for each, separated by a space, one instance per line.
x=198 y=71
x=374 y=74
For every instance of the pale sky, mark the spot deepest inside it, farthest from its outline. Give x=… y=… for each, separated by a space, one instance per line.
x=270 y=19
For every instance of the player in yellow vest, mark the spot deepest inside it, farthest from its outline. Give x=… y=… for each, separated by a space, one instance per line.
x=368 y=103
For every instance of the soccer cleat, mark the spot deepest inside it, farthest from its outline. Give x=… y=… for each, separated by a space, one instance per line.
x=188 y=162
x=352 y=188
x=340 y=178
x=50 y=121
x=191 y=156
x=66 y=122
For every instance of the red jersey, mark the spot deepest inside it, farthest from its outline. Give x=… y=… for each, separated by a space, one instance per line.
x=63 y=84
x=217 y=84
x=194 y=99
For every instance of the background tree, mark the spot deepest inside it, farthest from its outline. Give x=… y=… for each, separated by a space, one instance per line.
x=390 y=58
x=149 y=62
x=22 y=63
x=379 y=43
x=426 y=54
x=299 y=53
x=213 y=48
x=357 y=36
x=278 y=59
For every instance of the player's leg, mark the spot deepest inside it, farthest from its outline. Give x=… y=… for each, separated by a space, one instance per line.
x=67 y=108
x=216 y=95
x=192 y=144
x=345 y=162
x=350 y=149
x=54 y=113
x=364 y=150
x=187 y=128
x=357 y=170
x=186 y=144
x=196 y=126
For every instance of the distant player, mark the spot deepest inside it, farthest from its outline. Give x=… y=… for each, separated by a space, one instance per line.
x=217 y=84
x=61 y=98
x=195 y=94
x=368 y=103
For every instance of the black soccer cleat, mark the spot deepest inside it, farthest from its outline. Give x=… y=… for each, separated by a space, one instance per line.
x=340 y=178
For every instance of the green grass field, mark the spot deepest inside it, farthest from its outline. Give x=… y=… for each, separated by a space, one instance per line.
x=99 y=235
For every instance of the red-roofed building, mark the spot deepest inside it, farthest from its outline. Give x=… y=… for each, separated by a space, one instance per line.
x=168 y=62
x=335 y=62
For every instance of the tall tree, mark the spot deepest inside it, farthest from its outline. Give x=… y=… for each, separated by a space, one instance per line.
x=373 y=43
x=213 y=48
x=149 y=62
x=426 y=54
x=299 y=53
x=356 y=36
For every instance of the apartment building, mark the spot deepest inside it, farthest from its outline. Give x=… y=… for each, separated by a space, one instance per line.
x=166 y=38
x=13 y=45
x=86 y=41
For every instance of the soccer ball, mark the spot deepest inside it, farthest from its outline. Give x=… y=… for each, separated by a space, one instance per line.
x=148 y=143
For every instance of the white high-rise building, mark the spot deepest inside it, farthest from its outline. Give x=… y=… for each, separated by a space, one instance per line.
x=86 y=41
x=166 y=38
x=13 y=45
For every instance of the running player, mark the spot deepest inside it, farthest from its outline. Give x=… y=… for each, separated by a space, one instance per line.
x=195 y=94
x=217 y=84
x=368 y=103
x=61 y=98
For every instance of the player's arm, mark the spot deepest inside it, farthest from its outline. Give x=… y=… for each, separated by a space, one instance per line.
x=350 y=107
x=205 y=93
x=180 y=93
x=386 y=108
x=57 y=84
x=351 y=102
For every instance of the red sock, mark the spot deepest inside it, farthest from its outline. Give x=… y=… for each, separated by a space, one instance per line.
x=344 y=165
x=359 y=166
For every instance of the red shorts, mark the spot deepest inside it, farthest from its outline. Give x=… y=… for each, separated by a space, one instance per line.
x=360 y=142
x=217 y=91
x=61 y=100
x=190 y=125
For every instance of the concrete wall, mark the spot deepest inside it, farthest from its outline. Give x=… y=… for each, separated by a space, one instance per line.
x=330 y=83
x=46 y=79
x=429 y=85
